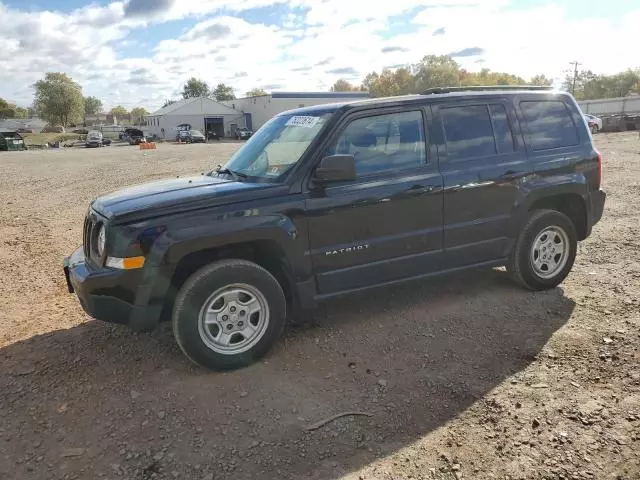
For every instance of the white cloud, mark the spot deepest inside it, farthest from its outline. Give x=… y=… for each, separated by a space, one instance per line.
x=317 y=43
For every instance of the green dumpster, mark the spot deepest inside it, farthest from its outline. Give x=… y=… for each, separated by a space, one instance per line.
x=10 y=141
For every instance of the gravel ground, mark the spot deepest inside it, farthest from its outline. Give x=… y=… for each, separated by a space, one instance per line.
x=465 y=377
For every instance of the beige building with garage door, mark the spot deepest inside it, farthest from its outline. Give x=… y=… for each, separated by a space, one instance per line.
x=224 y=118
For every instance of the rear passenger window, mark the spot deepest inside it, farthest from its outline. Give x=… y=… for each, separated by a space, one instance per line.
x=468 y=132
x=501 y=128
x=549 y=125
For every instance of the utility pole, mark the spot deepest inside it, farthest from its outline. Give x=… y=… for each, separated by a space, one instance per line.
x=575 y=76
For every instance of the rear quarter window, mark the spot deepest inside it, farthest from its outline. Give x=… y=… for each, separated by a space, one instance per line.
x=549 y=124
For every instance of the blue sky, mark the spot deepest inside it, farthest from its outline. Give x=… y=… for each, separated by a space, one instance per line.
x=140 y=52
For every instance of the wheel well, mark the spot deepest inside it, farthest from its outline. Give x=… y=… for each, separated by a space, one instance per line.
x=572 y=205
x=265 y=253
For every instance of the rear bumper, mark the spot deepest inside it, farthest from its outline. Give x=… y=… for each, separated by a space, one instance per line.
x=598 y=199
x=113 y=296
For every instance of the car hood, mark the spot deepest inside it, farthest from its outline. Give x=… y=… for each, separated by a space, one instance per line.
x=169 y=196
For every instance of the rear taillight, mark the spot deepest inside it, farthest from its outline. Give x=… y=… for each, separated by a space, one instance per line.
x=599 y=180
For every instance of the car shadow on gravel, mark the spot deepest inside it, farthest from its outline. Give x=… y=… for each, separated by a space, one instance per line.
x=413 y=356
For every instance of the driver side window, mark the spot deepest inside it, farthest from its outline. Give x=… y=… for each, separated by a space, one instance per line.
x=384 y=142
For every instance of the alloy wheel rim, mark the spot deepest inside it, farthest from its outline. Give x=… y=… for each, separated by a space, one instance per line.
x=549 y=252
x=233 y=319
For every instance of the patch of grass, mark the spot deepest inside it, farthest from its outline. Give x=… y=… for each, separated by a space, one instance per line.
x=44 y=138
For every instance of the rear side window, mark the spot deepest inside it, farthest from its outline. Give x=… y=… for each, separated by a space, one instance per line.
x=476 y=131
x=549 y=124
x=502 y=129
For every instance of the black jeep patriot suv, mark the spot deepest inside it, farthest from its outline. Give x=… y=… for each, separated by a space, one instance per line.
x=333 y=199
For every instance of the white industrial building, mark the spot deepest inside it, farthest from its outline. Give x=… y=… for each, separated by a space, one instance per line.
x=258 y=110
x=224 y=118
x=201 y=113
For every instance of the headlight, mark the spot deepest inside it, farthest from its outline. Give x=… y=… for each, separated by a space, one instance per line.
x=102 y=238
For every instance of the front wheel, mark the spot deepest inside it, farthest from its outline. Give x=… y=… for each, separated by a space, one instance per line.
x=545 y=250
x=228 y=314
x=594 y=129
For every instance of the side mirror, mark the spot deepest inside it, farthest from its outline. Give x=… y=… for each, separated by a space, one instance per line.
x=336 y=168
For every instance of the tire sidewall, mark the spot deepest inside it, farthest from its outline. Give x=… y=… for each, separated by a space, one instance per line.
x=548 y=219
x=197 y=290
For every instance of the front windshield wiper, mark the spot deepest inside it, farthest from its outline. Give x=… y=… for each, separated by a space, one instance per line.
x=234 y=174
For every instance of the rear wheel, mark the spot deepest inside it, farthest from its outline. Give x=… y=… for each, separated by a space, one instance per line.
x=229 y=314
x=594 y=129
x=545 y=250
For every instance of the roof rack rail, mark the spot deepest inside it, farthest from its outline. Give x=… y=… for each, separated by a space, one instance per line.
x=432 y=91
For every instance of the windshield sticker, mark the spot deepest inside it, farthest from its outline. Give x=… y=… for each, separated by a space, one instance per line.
x=300 y=121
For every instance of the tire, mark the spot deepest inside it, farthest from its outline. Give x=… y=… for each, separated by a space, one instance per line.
x=594 y=129
x=223 y=290
x=527 y=260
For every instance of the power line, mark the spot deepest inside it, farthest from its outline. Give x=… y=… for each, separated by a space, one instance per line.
x=575 y=76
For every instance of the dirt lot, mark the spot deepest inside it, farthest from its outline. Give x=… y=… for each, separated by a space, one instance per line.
x=465 y=377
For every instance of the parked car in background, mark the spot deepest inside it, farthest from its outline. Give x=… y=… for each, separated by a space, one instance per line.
x=94 y=139
x=191 y=136
x=294 y=217
x=183 y=127
x=196 y=136
x=595 y=123
x=10 y=140
x=243 y=134
x=183 y=136
x=134 y=136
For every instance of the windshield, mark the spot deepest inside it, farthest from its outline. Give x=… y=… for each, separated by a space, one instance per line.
x=277 y=146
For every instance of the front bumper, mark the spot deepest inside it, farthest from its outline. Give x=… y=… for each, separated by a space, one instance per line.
x=114 y=296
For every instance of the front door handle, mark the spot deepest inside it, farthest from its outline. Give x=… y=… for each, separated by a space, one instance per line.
x=421 y=189
x=511 y=174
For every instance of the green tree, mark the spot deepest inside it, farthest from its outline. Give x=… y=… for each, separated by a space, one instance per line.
x=436 y=71
x=138 y=114
x=195 y=88
x=369 y=81
x=7 y=113
x=21 y=112
x=590 y=86
x=541 y=80
x=119 y=111
x=343 y=86
x=486 y=77
x=390 y=83
x=92 y=105
x=223 y=92
x=256 y=92
x=168 y=102
x=58 y=99
x=7 y=110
